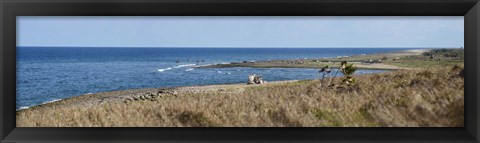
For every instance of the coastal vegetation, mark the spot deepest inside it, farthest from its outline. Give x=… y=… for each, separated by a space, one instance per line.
x=441 y=57
x=423 y=91
x=384 y=61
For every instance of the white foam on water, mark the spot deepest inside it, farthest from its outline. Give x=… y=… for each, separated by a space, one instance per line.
x=23 y=107
x=54 y=100
x=26 y=107
x=190 y=69
x=179 y=66
x=221 y=72
x=162 y=70
x=187 y=65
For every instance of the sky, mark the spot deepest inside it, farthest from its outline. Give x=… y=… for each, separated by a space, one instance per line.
x=253 y=32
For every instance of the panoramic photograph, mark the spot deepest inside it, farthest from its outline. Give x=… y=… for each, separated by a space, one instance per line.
x=240 y=71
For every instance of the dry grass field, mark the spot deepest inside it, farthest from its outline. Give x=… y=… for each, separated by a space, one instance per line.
x=426 y=97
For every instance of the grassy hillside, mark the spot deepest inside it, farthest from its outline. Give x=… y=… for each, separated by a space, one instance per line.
x=417 y=97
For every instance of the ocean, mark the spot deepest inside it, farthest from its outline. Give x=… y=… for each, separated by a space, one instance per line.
x=46 y=74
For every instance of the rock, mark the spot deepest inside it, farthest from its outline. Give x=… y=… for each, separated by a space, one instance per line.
x=161 y=91
x=251 y=79
x=128 y=100
x=152 y=95
x=258 y=79
x=255 y=79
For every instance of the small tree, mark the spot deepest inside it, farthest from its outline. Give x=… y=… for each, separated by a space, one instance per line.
x=340 y=68
x=348 y=72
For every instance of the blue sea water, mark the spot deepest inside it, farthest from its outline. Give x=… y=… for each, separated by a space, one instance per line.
x=46 y=74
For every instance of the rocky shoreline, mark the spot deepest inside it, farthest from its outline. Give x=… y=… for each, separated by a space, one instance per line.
x=146 y=94
x=369 y=62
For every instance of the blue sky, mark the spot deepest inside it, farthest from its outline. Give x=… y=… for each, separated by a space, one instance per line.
x=309 y=31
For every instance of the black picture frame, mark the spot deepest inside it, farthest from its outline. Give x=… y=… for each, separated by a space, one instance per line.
x=9 y=9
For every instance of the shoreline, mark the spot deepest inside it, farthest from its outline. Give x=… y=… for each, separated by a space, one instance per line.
x=109 y=96
x=94 y=99
x=363 y=61
x=218 y=105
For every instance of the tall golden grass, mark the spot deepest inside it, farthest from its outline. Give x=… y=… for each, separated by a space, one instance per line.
x=403 y=98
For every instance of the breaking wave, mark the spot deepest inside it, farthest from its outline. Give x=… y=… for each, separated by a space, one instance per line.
x=187 y=65
x=26 y=107
x=23 y=107
x=51 y=101
x=162 y=70
x=221 y=72
x=176 y=67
